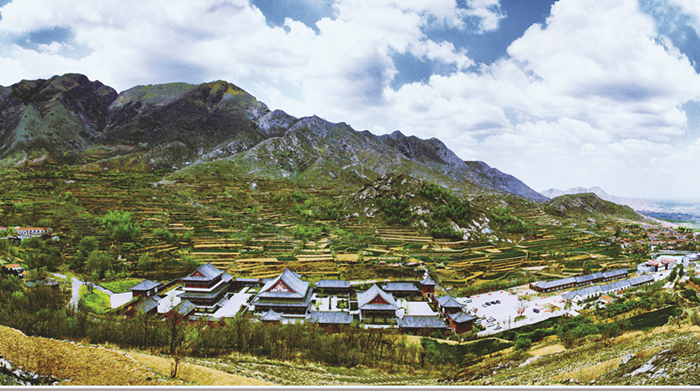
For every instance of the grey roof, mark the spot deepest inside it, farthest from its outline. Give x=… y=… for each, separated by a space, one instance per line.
x=226 y=277
x=428 y=281
x=400 y=287
x=615 y=273
x=185 y=307
x=145 y=285
x=271 y=316
x=589 y=277
x=147 y=305
x=461 y=317
x=640 y=280
x=247 y=279
x=591 y=290
x=555 y=283
x=329 y=317
x=616 y=285
x=422 y=321
x=337 y=284
x=197 y=295
x=207 y=270
x=448 y=302
x=365 y=297
x=291 y=280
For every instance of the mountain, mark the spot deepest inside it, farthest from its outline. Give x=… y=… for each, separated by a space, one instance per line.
x=64 y=113
x=179 y=125
x=586 y=204
x=638 y=204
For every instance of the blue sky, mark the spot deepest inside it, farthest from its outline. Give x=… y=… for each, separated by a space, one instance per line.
x=558 y=93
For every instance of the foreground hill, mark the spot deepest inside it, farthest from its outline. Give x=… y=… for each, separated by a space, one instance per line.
x=638 y=204
x=589 y=204
x=180 y=124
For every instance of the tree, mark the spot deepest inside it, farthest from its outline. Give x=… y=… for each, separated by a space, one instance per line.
x=98 y=263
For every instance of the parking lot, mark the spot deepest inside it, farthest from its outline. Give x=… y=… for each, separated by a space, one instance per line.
x=501 y=316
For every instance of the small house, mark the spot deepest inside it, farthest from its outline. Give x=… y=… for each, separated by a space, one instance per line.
x=401 y=289
x=330 y=320
x=146 y=288
x=461 y=322
x=334 y=287
x=447 y=304
x=427 y=287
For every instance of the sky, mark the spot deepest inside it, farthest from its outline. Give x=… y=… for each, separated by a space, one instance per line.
x=557 y=93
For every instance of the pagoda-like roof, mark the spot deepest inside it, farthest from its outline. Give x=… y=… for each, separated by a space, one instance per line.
x=461 y=317
x=287 y=285
x=422 y=322
x=329 y=317
x=333 y=284
x=400 y=287
x=427 y=281
x=185 y=307
x=271 y=316
x=206 y=272
x=145 y=285
x=147 y=305
x=448 y=302
x=365 y=300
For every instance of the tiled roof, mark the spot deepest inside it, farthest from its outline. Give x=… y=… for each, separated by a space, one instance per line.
x=428 y=281
x=226 y=277
x=185 y=307
x=422 y=321
x=589 y=277
x=365 y=297
x=291 y=280
x=329 y=317
x=591 y=290
x=615 y=273
x=555 y=283
x=336 y=284
x=145 y=285
x=147 y=305
x=448 y=302
x=400 y=287
x=614 y=286
x=640 y=280
x=271 y=316
x=207 y=270
x=461 y=317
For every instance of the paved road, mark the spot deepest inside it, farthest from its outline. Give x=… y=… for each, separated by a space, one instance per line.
x=76 y=293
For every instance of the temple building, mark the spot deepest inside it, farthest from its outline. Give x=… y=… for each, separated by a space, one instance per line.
x=205 y=287
x=377 y=306
x=287 y=294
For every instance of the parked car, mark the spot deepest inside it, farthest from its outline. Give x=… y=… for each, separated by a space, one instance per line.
x=498 y=327
x=494 y=303
x=487 y=304
x=492 y=319
x=498 y=302
x=535 y=310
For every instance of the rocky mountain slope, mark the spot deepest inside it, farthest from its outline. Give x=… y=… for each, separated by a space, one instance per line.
x=181 y=124
x=638 y=204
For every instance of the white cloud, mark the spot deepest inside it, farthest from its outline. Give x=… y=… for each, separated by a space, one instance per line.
x=596 y=87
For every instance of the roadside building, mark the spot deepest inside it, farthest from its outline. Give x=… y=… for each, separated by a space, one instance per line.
x=614 y=274
x=146 y=288
x=286 y=294
x=14 y=269
x=330 y=320
x=589 y=279
x=461 y=322
x=205 y=287
x=647 y=267
x=605 y=300
x=422 y=325
x=615 y=287
x=377 y=306
x=580 y=295
x=641 y=280
x=551 y=286
x=401 y=289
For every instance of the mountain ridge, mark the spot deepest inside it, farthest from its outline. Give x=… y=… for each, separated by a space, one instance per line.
x=184 y=124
